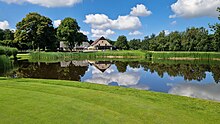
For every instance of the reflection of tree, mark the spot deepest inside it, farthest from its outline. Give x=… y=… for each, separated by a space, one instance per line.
x=216 y=73
x=188 y=71
x=72 y=72
x=121 y=66
x=50 y=71
x=135 y=64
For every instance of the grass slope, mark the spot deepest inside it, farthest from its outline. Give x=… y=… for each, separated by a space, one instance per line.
x=52 y=101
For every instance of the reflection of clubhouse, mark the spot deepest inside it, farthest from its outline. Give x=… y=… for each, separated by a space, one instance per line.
x=75 y=63
x=102 y=66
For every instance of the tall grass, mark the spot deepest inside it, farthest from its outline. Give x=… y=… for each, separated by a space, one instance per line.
x=51 y=56
x=8 y=51
x=61 y=56
x=184 y=55
x=5 y=64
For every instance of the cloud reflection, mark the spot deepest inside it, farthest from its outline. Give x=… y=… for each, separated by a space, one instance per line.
x=130 y=78
x=204 y=91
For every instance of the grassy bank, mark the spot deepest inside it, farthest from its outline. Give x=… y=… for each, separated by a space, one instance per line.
x=53 y=101
x=51 y=56
x=184 y=55
x=54 y=56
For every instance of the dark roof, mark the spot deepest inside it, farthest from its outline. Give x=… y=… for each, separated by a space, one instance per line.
x=96 y=41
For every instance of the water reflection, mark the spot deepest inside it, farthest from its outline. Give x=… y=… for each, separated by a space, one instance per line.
x=205 y=91
x=112 y=76
x=194 y=80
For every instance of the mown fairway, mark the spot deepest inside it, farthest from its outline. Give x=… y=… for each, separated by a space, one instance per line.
x=31 y=101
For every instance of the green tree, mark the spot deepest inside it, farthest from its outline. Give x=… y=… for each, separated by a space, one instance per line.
x=122 y=43
x=145 y=43
x=216 y=38
x=174 y=41
x=35 y=31
x=68 y=31
x=1 y=34
x=8 y=34
x=80 y=37
x=162 y=41
x=153 y=43
x=135 y=44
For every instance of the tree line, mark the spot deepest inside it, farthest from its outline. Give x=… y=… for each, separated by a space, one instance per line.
x=192 y=39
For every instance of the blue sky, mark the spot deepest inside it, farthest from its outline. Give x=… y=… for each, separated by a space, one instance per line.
x=138 y=18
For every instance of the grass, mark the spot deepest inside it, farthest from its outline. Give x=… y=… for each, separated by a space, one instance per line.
x=184 y=55
x=60 y=56
x=23 y=56
x=126 y=54
x=53 y=101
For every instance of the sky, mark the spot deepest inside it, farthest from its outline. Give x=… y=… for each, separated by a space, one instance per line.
x=112 y=18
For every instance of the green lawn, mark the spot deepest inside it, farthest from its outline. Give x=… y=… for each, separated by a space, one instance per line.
x=32 y=101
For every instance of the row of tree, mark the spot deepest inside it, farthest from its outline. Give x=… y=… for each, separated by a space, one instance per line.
x=193 y=39
x=37 y=32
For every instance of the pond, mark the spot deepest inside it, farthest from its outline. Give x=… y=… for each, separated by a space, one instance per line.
x=185 y=79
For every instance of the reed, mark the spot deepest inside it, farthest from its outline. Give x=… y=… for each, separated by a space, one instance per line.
x=8 y=51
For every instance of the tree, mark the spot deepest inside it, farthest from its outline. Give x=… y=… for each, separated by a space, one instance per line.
x=1 y=34
x=68 y=31
x=35 y=31
x=80 y=37
x=162 y=41
x=8 y=34
x=174 y=41
x=135 y=44
x=122 y=43
x=145 y=43
x=216 y=39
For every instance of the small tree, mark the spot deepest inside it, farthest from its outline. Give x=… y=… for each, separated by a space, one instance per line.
x=122 y=43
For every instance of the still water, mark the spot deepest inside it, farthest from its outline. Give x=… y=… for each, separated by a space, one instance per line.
x=193 y=80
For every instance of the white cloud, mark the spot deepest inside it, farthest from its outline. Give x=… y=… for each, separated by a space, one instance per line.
x=205 y=91
x=140 y=10
x=173 y=23
x=84 y=32
x=96 y=33
x=195 y=8
x=4 y=25
x=45 y=3
x=126 y=23
x=101 y=21
x=56 y=23
x=135 y=33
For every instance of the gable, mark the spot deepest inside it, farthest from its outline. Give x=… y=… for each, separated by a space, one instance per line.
x=102 y=43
